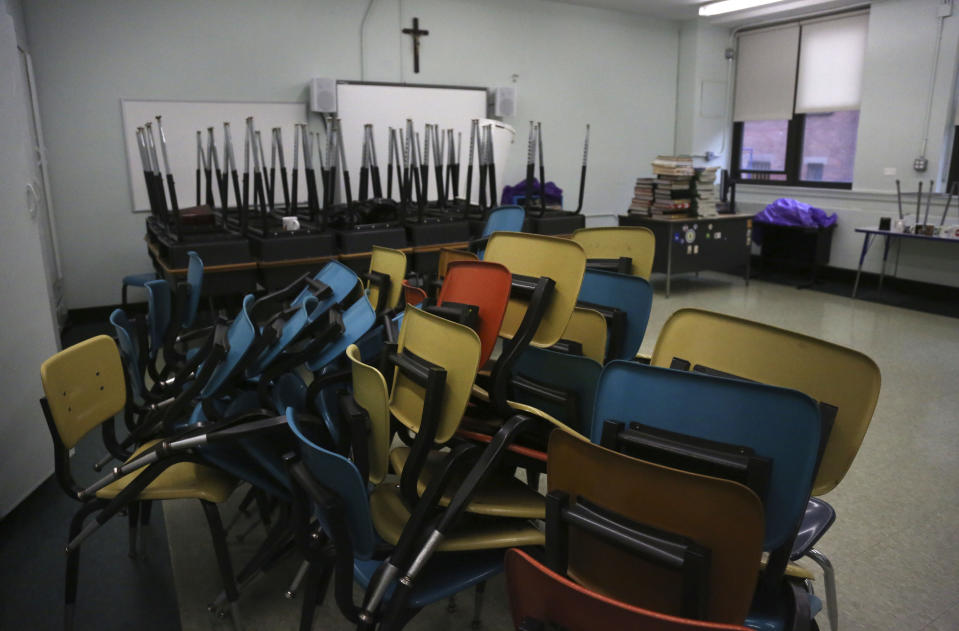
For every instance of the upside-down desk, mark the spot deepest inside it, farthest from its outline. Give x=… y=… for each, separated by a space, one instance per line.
x=867 y=240
x=692 y=244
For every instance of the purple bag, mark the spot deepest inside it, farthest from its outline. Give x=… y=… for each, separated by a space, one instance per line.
x=554 y=194
x=790 y=212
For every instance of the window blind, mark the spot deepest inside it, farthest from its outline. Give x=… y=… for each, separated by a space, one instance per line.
x=766 y=74
x=831 y=57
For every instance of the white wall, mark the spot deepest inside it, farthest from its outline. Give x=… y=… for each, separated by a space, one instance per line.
x=703 y=94
x=899 y=56
x=574 y=65
x=29 y=336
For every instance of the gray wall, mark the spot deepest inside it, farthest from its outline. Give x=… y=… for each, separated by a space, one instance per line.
x=574 y=65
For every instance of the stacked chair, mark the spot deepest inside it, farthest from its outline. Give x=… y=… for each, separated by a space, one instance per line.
x=396 y=441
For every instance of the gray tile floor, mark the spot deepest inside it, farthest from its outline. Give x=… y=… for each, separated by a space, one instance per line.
x=895 y=545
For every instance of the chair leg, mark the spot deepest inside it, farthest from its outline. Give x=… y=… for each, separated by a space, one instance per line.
x=146 y=508
x=218 y=535
x=297 y=580
x=123 y=296
x=73 y=562
x=133 y=518
x=829 y=580
x=314 y=575
x=478 y=606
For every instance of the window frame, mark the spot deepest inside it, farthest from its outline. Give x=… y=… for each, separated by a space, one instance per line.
x=795 y=131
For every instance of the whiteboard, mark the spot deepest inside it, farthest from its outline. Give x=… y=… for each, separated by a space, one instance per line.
x=182 y=119
x=389 y=105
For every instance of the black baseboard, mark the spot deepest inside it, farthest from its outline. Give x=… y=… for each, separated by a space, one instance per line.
x=899 y=292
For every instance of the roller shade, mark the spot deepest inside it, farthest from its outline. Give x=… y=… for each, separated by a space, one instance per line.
x=766 y=74
x=831 y=57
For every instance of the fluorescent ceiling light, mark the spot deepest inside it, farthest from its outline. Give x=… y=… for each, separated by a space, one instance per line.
x=728 y=6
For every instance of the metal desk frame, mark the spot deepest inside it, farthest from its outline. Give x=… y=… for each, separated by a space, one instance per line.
x=869 y=233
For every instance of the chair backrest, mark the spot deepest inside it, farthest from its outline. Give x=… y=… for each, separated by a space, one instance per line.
x=538 y=593
x=341 y=476
x=371 y=394
x=241 y=336
x=357 y=320
x=504 y=219
x=84 y=387
x=393 y=264
x=194 y=281
x=306 y=312
x=159 y=306
x=338 y=277
x=612 y=242
x=129 y=350
x=827 y=372
x=574 y=375
x=723 y=516
x=630 y=294
x=450 y=346
x=485 y=285
x=777 y=423
x=535 y=256
x=413 y=295
x=448 y=255
x=588 y=328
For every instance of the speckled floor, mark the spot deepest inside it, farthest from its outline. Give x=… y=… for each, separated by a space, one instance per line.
x=895 y=544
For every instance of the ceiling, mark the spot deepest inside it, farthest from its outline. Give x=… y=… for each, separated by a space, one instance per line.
x=689 y=9
x=667 y=9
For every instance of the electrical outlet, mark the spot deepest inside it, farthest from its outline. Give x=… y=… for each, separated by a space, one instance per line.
x=920 y=164
x=889 y=171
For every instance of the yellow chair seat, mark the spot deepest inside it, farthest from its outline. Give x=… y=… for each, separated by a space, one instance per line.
x=479 y=533
x=184 y=480
x=501 y=496
x=798 y=571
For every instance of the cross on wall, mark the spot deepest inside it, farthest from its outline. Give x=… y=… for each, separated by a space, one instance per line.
x=416 y=33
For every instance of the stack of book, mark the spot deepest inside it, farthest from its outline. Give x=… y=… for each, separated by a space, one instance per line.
x=643 y=195
x=673 y=165
x=706 y=192
x=673 y=195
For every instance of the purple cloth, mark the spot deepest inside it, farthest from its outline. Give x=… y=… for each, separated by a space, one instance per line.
x=554 y=194
x=790 y=212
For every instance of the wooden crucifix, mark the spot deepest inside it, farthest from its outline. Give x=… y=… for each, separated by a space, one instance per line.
x=416 y=33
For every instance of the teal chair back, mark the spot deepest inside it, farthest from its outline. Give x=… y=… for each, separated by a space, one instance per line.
x=779 y=424
x=631 y=295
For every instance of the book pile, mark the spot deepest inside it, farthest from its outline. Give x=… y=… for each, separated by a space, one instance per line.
x=673 y=195
x=643 y=195
x=706 y=192
x=673 y=165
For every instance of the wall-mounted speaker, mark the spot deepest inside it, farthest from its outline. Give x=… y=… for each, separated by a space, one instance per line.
x=323 y=95
x=502 y=101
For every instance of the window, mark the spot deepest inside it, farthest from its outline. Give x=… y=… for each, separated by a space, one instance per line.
x=796 y=107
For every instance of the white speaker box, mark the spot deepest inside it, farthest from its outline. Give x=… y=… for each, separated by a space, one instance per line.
x=502 y=101
x=323 y=95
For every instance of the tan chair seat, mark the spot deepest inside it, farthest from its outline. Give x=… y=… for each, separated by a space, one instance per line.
x=184 y=480
x=477 y=533
x=500 y=496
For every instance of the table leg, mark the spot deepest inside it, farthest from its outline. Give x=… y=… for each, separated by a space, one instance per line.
x=669 y=261
x=749 y=257
x=862 y=256
x=885 y=254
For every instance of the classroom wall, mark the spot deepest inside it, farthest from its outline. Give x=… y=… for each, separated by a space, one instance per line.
x=899 y=59
x=572 y=65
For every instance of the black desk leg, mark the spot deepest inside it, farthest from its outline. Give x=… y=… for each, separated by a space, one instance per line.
x=669 y=261
x=862 y=256
x=885 y=255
